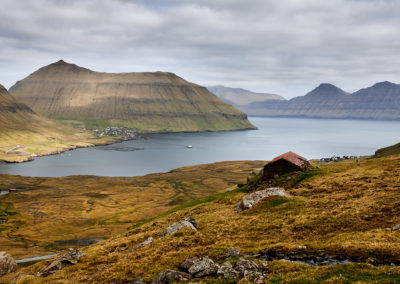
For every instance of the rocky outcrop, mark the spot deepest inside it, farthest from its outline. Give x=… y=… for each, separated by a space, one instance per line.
x=396 y=227
x=255 y=175
x=247 y=268
x=70 y=258
x=170 y=276
x=189 y=262
x=203 y=267
x=199 y=267
x=7 y=263
x=145 y=243
x=189 y=223
x=232 y=252
x=248 y=201
x=138 y=280
x=227 y=271
x=146 y=101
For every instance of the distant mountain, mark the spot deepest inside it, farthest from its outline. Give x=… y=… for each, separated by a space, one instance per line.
x=381 y=101
x=147 y=101
x=239 y=97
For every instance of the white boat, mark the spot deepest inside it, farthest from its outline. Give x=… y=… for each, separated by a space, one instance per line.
x=189 y=146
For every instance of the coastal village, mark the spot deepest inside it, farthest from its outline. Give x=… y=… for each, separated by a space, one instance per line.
x=115 y=131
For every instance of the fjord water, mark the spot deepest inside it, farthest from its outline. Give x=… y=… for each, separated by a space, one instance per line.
x=311 y=138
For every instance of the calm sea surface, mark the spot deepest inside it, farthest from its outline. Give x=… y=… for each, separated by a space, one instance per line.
x=311 y=138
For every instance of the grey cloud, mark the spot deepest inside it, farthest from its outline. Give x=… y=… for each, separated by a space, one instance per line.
x=285 y=46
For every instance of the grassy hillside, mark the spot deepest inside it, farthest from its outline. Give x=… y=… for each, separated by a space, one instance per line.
x=147 y=101
x=45 y=210
x=342 y=209
x=24 y=133
x=387 y=151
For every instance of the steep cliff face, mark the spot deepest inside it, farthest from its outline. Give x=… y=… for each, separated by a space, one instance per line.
x=381 y=101
x=13 y=115
x=25 y=134
x=323 y=101
x=158 y=101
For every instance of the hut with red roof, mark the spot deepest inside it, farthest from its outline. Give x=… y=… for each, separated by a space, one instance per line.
x=285 y=163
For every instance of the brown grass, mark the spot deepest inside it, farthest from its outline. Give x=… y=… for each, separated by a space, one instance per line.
x=51 y=209
x=343 y=210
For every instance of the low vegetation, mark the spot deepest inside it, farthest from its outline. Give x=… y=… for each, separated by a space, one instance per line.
x=387 y=151
x=56 y=209
x=344 y=209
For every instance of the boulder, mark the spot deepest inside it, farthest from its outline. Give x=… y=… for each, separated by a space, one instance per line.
x=264 y=266
x=170 y=276
x=396 y=227
x=70 y=258
x=232 y=252
x=193 y=221
x=7 y=263
x=187 y=263
x=226 y=270
x=255 y=173
x=189 y=222
x=138 y=280
x=246 y=267
x=203 y=267
x=146 y=242
x=259 y=280
x=248 y=201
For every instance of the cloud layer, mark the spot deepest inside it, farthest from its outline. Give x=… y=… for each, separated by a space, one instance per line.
x=285 y=47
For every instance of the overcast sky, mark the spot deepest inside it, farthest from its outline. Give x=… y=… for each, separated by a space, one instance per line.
x=286 y=47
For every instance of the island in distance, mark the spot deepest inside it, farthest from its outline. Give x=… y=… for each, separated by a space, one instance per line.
x=380 y=101
x=144 y=101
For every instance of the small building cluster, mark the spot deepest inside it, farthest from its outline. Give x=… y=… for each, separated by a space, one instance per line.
x=285 y=163
x=337 y=158
x=117 y=131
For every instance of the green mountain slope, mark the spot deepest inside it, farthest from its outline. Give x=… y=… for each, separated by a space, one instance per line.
x=156 y=101
x=24 y=134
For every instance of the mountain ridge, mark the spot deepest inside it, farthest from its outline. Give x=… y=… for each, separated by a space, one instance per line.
x=147 y=101
x=380 y=101
x=236 y=95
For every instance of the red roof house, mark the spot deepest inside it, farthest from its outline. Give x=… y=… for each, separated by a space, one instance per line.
x=285 y=163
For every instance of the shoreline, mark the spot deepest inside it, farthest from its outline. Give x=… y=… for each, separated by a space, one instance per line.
x=23 y=159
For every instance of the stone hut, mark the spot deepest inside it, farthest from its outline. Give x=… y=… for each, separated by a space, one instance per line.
x=285 y=163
